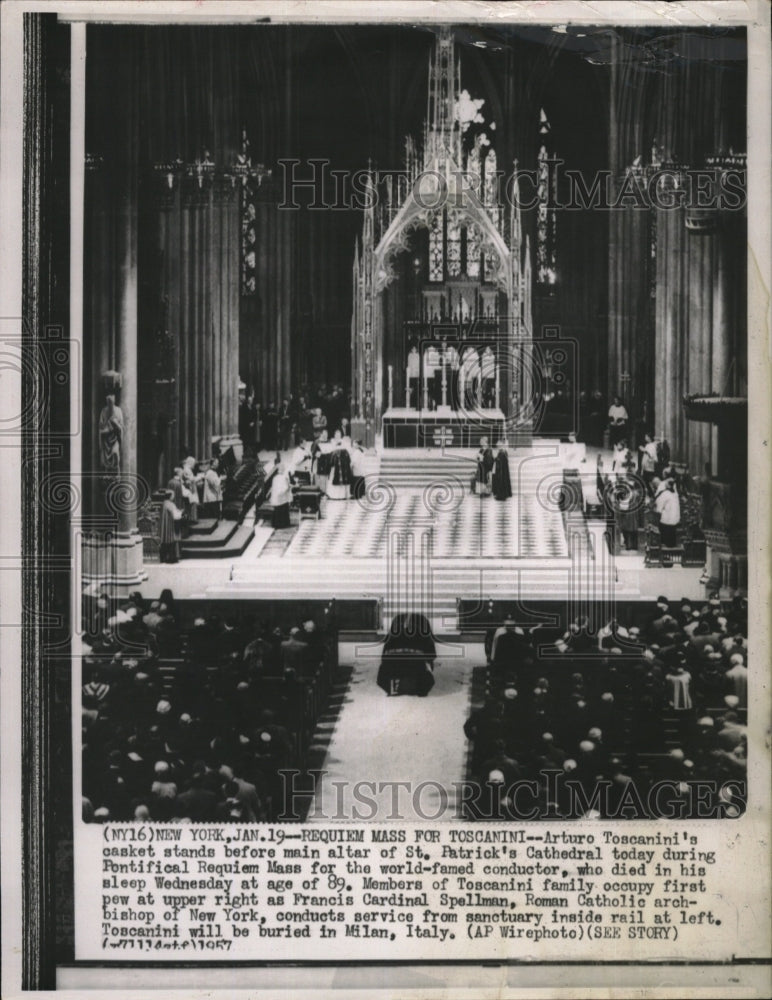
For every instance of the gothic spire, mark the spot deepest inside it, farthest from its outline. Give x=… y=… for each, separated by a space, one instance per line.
x=443 y=133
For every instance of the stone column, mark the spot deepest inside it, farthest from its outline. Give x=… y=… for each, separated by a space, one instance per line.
x=112 y=555
x=629 y=309
x=721 y=344
x=199 y=238
x=224 y=294
x=696 y=445
x=670 y=339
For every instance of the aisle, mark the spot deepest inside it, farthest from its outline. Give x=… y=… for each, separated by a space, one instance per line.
x=377 y=739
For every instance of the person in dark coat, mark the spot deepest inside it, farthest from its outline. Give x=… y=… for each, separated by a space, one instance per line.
x=270 y=428
x=248 y=423
x=623 y=496
x=502 y=486
x=482 y=480
x=296 y=654
x=286 y=421
x=487 y=729
x=339 y=482
x=198 y=803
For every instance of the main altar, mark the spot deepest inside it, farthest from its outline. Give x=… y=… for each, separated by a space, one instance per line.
x=441 y=328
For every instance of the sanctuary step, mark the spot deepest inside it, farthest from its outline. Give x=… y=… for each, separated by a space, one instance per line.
x=529 y=469
x=227 y=540
x=204 y=526
x=212 y=539
x=416 y=471
x=366 y=578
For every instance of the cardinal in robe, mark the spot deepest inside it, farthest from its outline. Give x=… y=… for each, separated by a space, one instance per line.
x=485 y=462
x=339 y=481
x=177 y=489
x=502 y=486
x=358 y=469
x=191 y=487
x=213 y=490
x=170 y=530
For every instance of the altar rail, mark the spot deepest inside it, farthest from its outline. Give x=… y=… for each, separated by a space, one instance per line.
x=480 y=615
x=355 y=615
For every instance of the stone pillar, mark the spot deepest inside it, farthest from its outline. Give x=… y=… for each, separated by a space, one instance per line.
x=696 y=445
x=224 y=293
x=629 y=343
x=199 y=242
x=721 y=349
x=112 y=554
x=268 y=316
x=671 y=347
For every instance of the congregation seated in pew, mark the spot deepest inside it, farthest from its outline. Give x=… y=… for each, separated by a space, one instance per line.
x=196 y=723
x=596 y=722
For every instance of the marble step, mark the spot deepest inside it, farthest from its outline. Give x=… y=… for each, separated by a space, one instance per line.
x=231 y=547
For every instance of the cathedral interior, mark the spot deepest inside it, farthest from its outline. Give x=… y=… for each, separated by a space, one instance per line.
x=374 y=322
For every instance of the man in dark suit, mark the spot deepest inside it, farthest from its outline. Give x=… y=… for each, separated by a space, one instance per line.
x=270 y=428
x=285 y=418
x=487 y=728
x=247 y=423
x=295 y=655
x=197 y=803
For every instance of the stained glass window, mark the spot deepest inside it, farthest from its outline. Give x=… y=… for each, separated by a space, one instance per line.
x=454 y=249
x=248 y=225
x=473 y=248
x=436 y=254
x=652 y=254
x=546 y=221
x=474 y=169
x=491 y=189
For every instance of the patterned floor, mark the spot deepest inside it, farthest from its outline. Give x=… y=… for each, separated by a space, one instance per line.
x=462 y=526
x=388 y=740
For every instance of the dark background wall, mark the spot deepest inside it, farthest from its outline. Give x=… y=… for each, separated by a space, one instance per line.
x=349 y=95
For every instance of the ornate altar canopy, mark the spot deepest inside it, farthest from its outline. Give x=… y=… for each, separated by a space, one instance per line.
x=475 y=268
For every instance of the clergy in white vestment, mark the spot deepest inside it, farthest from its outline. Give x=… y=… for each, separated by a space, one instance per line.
x=212 y=490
